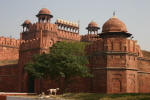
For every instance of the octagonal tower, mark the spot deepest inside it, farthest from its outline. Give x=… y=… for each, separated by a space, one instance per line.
x=113 y=59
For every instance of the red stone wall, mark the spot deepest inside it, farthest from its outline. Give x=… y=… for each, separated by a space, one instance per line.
x=132 y=81
x=116 y=60
x=99 y=81
x=144 y=75
x=77 y=85
x=3 y=97
x=9 y=49
x=144 y=82
x=143 y=64
x=89 y=38
x=9 y=78
x=116 y=81
x=28 y=48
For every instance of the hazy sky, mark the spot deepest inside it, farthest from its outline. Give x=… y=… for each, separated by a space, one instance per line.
x=134 y=13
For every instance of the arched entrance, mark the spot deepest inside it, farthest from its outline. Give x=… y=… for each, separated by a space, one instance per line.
x=30 y=84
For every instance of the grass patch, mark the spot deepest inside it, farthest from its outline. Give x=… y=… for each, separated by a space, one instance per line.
x=96 y=96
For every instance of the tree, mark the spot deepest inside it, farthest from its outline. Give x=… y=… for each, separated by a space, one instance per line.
x=66 y=60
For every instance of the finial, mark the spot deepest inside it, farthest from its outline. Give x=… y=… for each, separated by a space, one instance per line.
x=114 y=13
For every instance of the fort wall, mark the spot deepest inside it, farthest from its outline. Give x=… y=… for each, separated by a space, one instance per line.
x=89 y=38
x=78 y=85
x=123 y=63
x=144 y=82
x=9 y=78
x=9 y=48
x=27 y=49
x=30 y=44
x=99 y=80
x=144 y=74
x=115 y=60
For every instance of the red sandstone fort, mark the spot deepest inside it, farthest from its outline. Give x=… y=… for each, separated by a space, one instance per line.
x=115 y=60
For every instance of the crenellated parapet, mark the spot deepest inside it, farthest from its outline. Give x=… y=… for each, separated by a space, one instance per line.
x=35 y=29
x=42 y=26
x=89 y=38
x=9 y=42
x=9 y=48
x=30 y=44
x=67 y=35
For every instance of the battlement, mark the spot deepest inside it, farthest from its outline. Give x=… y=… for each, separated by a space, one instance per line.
x=11 y=42
x=68 y=35
x=89 y=37
x=9 y=48
x=42 y=26
x=30 y=44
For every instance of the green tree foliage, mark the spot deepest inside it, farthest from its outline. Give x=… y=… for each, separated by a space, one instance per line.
x=65 y=60
x=39 y=66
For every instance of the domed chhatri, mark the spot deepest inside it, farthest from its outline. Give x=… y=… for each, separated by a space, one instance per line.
x=92 y=24
x=92 y=28
x=27 y=22
x=44 y=15
x=44 y=11
x=114 y=25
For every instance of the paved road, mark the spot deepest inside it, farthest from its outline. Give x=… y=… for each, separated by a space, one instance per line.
x=25 y=98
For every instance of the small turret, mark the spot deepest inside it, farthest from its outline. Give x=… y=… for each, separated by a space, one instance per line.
x=44 y=15
x=92 y=28
x=26 y=25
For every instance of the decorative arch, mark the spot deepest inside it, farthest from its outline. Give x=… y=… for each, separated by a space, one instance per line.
x=116 y=85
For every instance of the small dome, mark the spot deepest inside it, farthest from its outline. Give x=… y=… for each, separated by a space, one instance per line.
x=27 y=22
x=44 y=11
x=92 y=24
x=114 y=25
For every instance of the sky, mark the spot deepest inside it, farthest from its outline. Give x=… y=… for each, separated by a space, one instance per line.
x=134 y=13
